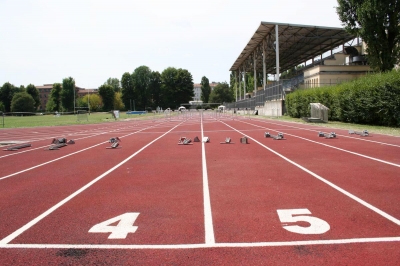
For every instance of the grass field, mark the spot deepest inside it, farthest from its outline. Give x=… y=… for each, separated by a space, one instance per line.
x=62 y=120
x=102 y=117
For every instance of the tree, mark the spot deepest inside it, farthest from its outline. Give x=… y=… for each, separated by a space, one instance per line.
x=95 y=102
x=141 y=86
x=54 y=101
x=205 y=89
x=7 y=92
x=68 y=94
x=107 y=94
x=222 y=93
x=50 y=105
x=22 y=102
x=176 y=87
x=154 y=88
x=127 y=90
x=118 y=104
x=377 y=23
x=114 y=82
x=31 y=89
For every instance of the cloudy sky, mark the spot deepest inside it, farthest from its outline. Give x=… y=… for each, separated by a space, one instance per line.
x=44 y=41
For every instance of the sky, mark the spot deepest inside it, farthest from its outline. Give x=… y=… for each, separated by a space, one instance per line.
x=45 y=41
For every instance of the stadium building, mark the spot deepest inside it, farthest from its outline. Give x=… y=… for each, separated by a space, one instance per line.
x=296 y=57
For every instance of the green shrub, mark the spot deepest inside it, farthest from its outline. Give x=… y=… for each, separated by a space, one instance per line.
x=373 y=99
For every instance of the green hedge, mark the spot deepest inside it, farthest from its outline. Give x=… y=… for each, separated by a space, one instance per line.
x=373 y=99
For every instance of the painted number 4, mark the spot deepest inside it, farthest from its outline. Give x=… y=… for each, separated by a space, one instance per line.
x=119 y=231
x=316 y=225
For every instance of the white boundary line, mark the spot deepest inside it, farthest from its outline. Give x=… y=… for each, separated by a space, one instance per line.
x=333 y=147
x=362 y=202
x=208 y=223
x=65 y=156
x=214 y=245
x=15 y=234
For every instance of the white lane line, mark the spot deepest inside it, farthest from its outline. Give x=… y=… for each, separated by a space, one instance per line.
x=327 y=129
x=65 y=156
x=208 y=223
x=333 y=147
x=213 y=245
x=362 y=202
x=61 y=203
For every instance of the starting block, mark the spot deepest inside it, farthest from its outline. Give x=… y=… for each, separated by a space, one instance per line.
x=57 y=146
x=184 y=141
x=59 y=141
x=196 y=139
x=331 y=135
x=244 y=140
x=206 y=139
x=114 y=145
x=227 y=141
x=115 y=139
x=17 y=147
x=277 y=137
x=363 y=133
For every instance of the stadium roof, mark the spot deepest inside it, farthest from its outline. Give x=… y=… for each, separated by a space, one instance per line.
x=297 y=44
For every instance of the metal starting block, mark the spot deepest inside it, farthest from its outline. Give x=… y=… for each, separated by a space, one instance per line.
x=244 y=140
x=363 y=133
x=277 y=137
x=185 y=141
x=114 y=145
x=57 y=146
x=115 y=139
x=17 y=147
x=196 y=139
x=59 y=140
x=331 y=135
x=206 y=139
x=227 y=141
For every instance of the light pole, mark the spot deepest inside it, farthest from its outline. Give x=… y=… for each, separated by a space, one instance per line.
x=88 y=101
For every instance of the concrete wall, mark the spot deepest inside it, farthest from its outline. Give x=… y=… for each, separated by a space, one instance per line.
x=273 y=108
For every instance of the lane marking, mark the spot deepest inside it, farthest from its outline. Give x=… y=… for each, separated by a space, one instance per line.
x=65 y=156
x=208 y=223
x=364 y=203
x=214 y=245
x=18 y=232
x=333 y=147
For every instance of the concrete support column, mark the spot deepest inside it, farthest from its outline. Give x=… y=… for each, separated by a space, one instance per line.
x=244 y=82
x=264 y=67
x=255 y=73
x=277 y=51
x=236 y=85
x=240 y=84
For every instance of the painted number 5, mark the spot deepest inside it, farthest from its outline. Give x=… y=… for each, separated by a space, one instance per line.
x=317 y=225
x=119 y=231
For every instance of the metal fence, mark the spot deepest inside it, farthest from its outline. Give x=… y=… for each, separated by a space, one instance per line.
x=272 y=92
x=278 y=90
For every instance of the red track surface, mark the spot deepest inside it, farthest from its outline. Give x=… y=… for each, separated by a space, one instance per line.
x=49 y=200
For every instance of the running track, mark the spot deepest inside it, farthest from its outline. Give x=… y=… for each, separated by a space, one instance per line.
x=304 y=200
